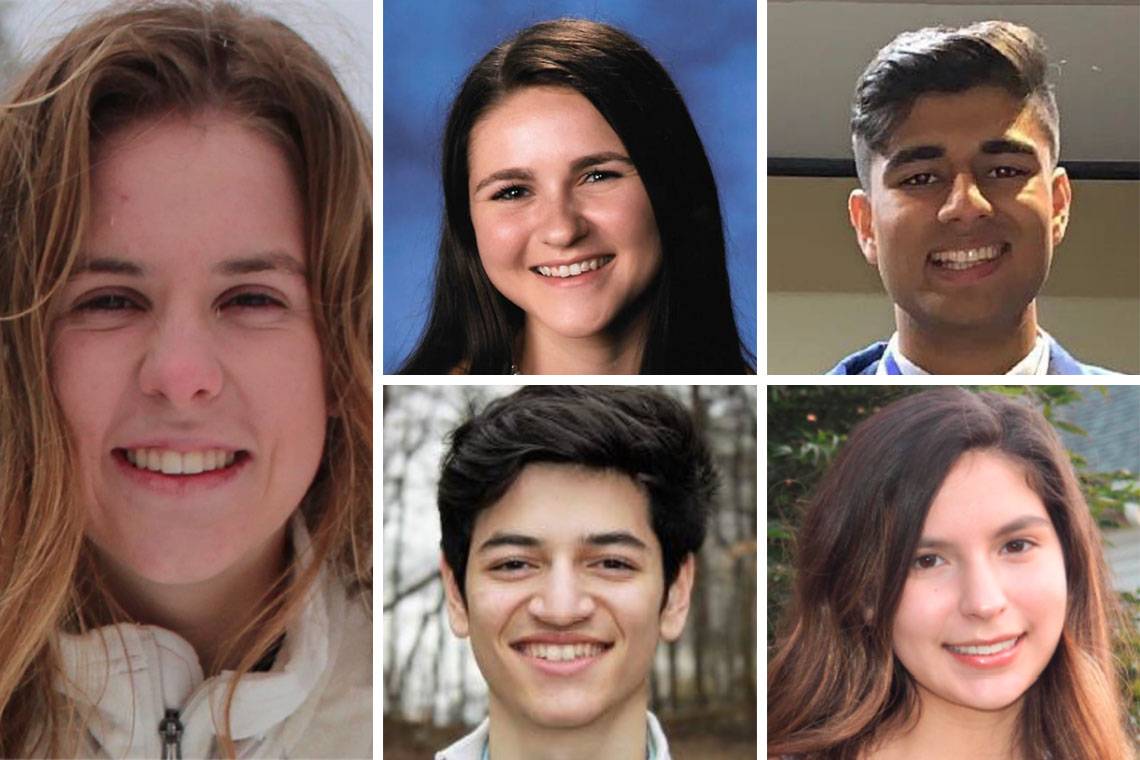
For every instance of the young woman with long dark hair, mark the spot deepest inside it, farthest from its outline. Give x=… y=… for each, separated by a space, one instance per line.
x=582 y=229
x=951 y=598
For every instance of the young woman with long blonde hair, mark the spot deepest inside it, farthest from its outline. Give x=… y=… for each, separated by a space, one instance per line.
x=951 y=598
x=185 y=394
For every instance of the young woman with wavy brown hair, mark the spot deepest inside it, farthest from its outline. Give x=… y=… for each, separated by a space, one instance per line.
x=951 y=599
x=185 y=394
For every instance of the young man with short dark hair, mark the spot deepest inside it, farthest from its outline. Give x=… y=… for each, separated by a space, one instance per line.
x=570 y=519
x=956 y=137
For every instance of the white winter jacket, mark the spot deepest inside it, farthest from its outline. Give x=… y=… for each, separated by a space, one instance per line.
x=151 y=700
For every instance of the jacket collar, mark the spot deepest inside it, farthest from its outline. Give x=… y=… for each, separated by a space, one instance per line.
x=127 y=675
x=866 y=361
x=471 y=746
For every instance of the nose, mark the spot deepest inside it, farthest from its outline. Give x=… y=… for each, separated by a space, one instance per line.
x=181 y=364
x=966 y=203
x=563 y=224
x=982 y=595
x=561 y=600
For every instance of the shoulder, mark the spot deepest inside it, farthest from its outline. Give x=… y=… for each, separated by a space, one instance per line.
x=470 y=747
x=1061 y=362
x=862 y=362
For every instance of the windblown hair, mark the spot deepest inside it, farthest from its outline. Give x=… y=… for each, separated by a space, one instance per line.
x=691 y=324
x=835 y=686
x=941 y=59
x=636 y=431
x=135 y=61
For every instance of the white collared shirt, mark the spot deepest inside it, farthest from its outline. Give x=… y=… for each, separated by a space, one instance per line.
x=1036 y=362
x=471 y=746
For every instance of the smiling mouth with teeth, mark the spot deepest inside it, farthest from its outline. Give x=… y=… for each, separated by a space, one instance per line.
x=966 y=258
x=986 y=649
x=181 y=463
x=562 y=652
x=575 y=269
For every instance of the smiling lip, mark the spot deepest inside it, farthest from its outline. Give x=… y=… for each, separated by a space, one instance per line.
x=575 y=271
x=994 y=653
x=175 y=482
x=967 y=263
x=561 y=655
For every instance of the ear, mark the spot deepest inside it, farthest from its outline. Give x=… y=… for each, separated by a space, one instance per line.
x=1062 y=200
x=456 y=607
x=859 y=212
x=677 y=603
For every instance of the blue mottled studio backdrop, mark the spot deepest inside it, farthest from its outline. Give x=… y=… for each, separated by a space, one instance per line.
x=708 y=48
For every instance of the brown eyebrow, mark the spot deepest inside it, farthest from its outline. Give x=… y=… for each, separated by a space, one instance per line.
x=1013 y=526
x=599 y=158
x=577 y=165
x=107 y=265
x=262 y=262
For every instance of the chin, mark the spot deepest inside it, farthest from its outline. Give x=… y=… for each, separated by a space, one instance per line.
x=990 y=700
x=566 y=714
x=574 y=327
x=169 y=561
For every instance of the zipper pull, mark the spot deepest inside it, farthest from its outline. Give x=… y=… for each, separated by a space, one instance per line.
x=170 y=731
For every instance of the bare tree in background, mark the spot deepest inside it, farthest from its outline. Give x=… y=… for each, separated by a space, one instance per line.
x=430 y=676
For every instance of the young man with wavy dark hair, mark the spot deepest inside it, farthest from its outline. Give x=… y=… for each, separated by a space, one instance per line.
x=956 y=137
x=570 y=520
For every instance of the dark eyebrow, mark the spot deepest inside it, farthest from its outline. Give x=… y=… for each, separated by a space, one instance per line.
x=916 y=153
x=599 y=158
x=502 y=174
x=262 y=262
x=1008 y=145
x=509 y=539
x=107 y=265
x=1013 y=526
x=615 y=538
x=610 y=538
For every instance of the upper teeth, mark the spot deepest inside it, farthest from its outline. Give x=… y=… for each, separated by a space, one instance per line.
x=1001 y=646
x=966 y=257
x=575 y=269
x=178 y=463
x=560 y=652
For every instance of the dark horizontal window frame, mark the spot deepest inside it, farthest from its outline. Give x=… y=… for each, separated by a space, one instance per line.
x=844 y=167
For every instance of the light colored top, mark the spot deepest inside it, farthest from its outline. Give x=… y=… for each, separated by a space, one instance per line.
x=1036 y=362
x=474 y=745
x=315 y=701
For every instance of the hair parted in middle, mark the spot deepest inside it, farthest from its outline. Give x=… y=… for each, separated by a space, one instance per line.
x=133 y=61
x=692 y=326
x=641 y=432
x=945 y=60
x=834 y=683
